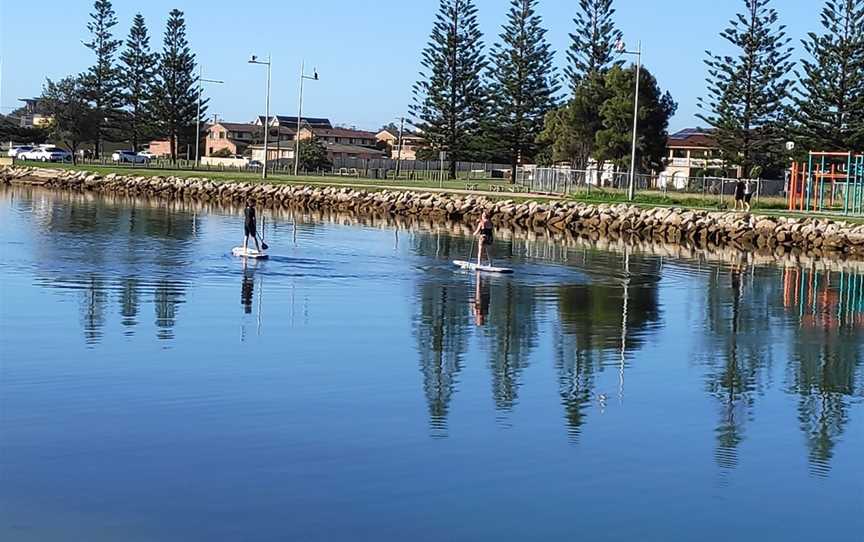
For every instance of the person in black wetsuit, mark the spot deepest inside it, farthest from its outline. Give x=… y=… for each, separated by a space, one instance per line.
x=249 y=226
x=484 y=231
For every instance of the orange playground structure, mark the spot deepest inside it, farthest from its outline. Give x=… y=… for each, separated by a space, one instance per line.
x=829 y=181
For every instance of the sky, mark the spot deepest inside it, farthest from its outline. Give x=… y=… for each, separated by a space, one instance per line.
x=367 y=52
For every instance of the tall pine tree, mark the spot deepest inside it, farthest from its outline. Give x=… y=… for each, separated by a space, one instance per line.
x=523 y=82
x=746 y=93
x=174 y=97
x=830 y=98
x=449 y=99
x=101 y=79
x=137 y=78
x=593 y=49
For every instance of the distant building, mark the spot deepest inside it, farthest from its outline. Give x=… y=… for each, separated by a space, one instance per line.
x=693 y=152
x=411 y=143
x=344 y=136
x=335 y=151
x=33 y=114
x=232 y=137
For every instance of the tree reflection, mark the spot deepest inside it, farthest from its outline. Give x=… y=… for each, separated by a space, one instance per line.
x=512 y=335
x=825 y=364
x=607 y=316
x=78 y=235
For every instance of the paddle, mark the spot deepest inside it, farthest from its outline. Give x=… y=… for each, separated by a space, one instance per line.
x=264 y=245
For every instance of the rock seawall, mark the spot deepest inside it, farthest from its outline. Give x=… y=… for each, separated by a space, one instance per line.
x=782 y=235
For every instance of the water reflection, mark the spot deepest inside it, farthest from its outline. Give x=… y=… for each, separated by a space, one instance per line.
x=86 y=244
x=580 y=309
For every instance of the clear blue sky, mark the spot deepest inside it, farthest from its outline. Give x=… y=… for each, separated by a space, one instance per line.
x=367 y=51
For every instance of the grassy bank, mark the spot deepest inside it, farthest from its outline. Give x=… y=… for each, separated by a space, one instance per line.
x=493 y=188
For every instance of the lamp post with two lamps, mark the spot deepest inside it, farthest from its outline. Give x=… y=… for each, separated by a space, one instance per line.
x=254 y=60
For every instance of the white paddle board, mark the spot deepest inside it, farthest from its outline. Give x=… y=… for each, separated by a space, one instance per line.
x=485 y=268
x=248 y=253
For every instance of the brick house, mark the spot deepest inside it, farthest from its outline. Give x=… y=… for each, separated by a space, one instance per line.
x=411 y=143
x=344 y=136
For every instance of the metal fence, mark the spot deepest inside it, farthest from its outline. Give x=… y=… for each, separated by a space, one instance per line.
x=375 y=168
x=558 y=180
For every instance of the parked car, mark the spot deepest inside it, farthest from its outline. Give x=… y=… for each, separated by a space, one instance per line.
x=129 y=156
x=47 y=153
x=147 y=154
x=15 y=151
x=254 y=164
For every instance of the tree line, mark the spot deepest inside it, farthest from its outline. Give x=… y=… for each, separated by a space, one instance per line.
x=134 y=94
x=507 y=106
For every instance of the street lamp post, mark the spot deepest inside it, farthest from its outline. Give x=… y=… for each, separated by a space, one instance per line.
x=399 y=151
x=631 y=188
x=303 y=76
x=201 y=82
x=254 y=60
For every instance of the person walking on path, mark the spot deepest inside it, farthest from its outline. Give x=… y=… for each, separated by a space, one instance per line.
x=740 y=186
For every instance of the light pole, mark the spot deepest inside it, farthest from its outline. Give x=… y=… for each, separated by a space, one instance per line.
x=399 y=152
x=201 y=82
x=303 y=76
x=254 y=60
x=631 y=189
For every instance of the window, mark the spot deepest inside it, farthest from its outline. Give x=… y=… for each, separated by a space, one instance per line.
x=698 y=153
x=679 y=153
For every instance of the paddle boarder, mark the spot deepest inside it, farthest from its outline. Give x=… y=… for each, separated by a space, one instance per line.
x=484 y=232
x=249 y=226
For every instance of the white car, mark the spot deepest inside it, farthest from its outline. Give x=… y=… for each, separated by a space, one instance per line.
x=15 y=151
x=129 y=156
x=46 y=153
x=147 y=154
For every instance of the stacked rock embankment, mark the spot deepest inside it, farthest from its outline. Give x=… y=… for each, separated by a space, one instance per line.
x=702 y=228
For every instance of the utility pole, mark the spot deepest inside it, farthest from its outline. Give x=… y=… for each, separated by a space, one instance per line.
x=399 y=150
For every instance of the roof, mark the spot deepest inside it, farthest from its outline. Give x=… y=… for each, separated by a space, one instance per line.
x=352 y=149
x=237 y=126
x=692 y=137
x=343 y=132
x=292 y=121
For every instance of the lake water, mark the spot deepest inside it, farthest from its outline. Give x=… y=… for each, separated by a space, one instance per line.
x=357 y=387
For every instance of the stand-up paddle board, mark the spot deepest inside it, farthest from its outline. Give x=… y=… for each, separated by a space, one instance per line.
x=485 y=268
x=248 y=253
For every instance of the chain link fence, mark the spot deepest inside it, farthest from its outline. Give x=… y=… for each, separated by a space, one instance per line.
x=565 y=181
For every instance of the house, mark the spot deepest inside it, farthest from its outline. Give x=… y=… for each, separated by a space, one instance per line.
x=236 y=137
x=33 y=114
x=335 y=151
x=411 y=142
x=693 y=152
x=344 y=136
x=232 y=137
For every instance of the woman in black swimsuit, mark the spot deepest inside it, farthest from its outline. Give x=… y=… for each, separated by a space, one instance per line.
x=249 y=226
x=484 y=231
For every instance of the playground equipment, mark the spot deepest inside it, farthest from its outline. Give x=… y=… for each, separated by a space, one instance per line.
x=837 y=177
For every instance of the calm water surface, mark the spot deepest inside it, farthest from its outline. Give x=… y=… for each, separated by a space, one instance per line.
x=356 y=387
